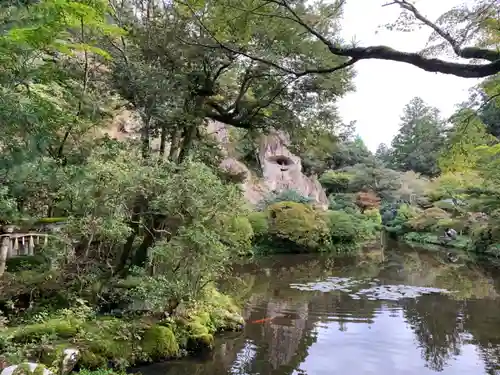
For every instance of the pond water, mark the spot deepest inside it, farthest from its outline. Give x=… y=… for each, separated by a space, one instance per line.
x=400 y=311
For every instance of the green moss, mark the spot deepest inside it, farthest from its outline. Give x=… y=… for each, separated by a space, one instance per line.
x=50 y=220
x=24 y=369
x=91 y=361
x=39 y=370
x=112 y=340
x=199 y=337
x=122 y=343
x=52 y=354
x=159 y=342
x=60 y=328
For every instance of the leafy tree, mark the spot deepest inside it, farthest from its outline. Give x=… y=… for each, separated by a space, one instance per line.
x=335 y=182
x=353 y=152
x=469 y=32
x=367 y=201
x=383 y=153
x=383 y=181
x=420 y=139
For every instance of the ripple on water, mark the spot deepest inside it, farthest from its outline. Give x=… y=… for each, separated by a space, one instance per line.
x=370 y=289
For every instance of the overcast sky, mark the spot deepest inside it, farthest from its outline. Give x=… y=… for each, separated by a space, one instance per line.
x=384 y=87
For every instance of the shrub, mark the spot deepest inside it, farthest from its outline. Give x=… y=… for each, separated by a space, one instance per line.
x=258 y=221
x=238 y=233
x=297 y=224
x=341 y=201
x=448 y=206
x=335 y=182
x=283 y=196
x=373 y=215
x=367 y=200
x=428 y=219
x=349 y=228
x=396 y=220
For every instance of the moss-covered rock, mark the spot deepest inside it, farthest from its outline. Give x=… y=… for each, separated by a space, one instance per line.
x=55 y=328
x=110 y=341
x=159 y=342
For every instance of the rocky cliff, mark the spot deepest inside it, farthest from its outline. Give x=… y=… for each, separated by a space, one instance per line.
x=280 y=168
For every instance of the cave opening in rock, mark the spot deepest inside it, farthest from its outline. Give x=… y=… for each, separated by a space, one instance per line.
x=283 y=161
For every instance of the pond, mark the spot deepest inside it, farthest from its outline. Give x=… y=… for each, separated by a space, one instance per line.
x=398 y=311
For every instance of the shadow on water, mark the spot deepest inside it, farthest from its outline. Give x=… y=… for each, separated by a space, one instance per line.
x=398 y=311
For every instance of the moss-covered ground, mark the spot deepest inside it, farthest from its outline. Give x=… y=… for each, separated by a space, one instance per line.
x=122 y=342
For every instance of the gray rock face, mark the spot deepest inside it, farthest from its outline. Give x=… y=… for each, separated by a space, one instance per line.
x=281 y=169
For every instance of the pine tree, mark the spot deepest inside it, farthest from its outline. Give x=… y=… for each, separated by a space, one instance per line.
x=420 y=139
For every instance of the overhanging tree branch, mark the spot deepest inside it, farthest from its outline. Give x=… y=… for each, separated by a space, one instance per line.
x=416 y=59
x=466 y=53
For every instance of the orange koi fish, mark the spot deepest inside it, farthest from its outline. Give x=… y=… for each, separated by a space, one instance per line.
x=259 y=321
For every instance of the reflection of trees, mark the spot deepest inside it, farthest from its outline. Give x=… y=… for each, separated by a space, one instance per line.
x=278 y=347
x=482 y=321
x=435 y=319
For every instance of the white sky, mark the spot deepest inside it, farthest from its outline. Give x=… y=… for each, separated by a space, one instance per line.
x=384 y=87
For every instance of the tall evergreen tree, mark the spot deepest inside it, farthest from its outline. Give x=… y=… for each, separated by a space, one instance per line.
x=420 y=139
x=383 y=153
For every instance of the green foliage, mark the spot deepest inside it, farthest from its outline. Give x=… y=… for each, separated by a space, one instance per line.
x=374 y=216
x=259 y=223
x=122 y=342
x=383 y=181
x=238 y=234
x=428 y=220
x=453 y=185
x=101 y=371
x=396 y=219
x=349 y=231
x=342 y=201
x=335 y=182
x=283 y=196
x=419 y=141
x=298 y=226
x=436 y=239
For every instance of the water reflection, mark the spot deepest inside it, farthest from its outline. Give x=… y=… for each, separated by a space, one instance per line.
x=329 y=332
